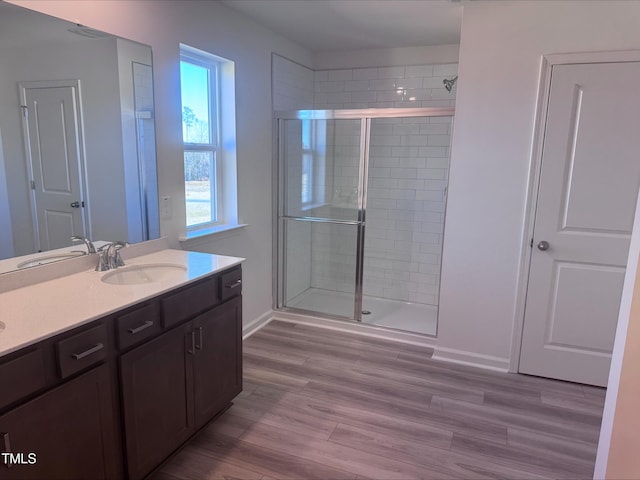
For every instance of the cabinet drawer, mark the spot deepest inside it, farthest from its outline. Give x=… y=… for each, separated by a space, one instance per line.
x=189 y=302
x=21 y=376
x=138 y=325
x=81 y=350
x=230 y=284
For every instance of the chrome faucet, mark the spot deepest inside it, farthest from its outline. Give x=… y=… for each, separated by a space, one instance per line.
x=87 y=242
x=109 y=257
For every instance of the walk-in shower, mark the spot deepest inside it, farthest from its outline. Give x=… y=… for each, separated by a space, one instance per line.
x=361 y=203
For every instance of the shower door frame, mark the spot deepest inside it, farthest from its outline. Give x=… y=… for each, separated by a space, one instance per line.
x=365 y=115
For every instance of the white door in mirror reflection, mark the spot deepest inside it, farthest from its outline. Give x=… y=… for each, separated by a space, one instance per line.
x=54 y=149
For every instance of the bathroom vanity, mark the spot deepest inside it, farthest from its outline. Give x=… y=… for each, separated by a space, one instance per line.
x=105 y=374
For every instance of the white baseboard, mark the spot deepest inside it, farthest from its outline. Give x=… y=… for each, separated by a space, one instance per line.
x=255 y=325
x=357 y=328
x=463 y=357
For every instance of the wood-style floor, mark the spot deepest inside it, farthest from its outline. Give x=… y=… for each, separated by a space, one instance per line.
x=322 y=404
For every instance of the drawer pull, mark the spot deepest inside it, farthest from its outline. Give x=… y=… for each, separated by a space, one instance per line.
x=144 y=326
x=96 y=348
x=235 y=284
x=6 y=446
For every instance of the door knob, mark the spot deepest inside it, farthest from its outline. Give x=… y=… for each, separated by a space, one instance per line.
x=543 y=245
x=77 y=204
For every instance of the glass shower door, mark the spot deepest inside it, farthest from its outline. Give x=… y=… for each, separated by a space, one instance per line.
x=406 y=200
x=320 y=214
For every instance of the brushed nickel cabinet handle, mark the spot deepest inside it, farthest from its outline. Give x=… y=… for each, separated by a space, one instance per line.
x=193 y=344
x=6 y=446
x=144 y=326
x=235 y=284
x=199 y=344
x=96 y=348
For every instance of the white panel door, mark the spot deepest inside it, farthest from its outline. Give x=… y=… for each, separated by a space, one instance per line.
x=54 y=155
x=589 y=182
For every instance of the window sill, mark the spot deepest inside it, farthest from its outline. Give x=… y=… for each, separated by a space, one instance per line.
x=220 y=231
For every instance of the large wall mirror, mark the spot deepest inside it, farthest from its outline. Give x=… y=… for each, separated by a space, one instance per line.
x=77 y=136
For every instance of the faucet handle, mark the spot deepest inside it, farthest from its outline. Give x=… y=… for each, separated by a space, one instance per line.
x=110 y=256
x=117 y=246
x=113 y=254
x=103 y=259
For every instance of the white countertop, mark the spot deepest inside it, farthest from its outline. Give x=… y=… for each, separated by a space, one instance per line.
x=41 y=258
x=45 y=309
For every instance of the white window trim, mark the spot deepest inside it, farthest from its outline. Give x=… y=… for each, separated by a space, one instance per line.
x=224 y=144
x=221 y=231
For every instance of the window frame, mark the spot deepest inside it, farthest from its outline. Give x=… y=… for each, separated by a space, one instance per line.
x=216 y=174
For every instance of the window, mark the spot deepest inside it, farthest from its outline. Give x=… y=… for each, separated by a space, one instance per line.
x=313 y=142
x=307 y=164
x=208 y=124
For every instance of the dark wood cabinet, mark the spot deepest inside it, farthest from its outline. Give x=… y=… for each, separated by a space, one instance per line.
x=157 y=382
x=174 y=362
x=174 y=384
x=67 y=433
x=217 y=360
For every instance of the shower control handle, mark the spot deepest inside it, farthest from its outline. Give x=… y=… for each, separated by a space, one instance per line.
x=543 y=245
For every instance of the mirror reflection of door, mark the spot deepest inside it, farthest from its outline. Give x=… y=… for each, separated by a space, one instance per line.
x=586 y=203
x=53 y=145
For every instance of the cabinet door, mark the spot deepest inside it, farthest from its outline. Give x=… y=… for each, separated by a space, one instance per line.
x=218 y=359
x=71 y=430
x=157 y=385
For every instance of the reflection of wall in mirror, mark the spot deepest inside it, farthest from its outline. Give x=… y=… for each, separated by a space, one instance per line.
x=138 y=138
x=104 y=68
x=94 y=63
x=146 y=143
x=6 y=234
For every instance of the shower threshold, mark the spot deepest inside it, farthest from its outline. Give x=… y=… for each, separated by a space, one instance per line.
x=410 y=317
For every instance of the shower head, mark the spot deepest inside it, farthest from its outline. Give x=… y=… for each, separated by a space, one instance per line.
x=449 y=82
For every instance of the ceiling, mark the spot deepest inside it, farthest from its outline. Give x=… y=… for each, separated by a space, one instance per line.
x=331 y=25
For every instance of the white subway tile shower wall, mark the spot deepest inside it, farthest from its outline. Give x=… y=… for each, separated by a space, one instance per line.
x=405 y=212
x=405 y=208
x=408 y=172
x=297 y=235
x=333 y=257
x=334 y=247
x=292 y=86
x=384 y=87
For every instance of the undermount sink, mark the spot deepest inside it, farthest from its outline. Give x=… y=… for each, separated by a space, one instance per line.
x=140 y=274
x=48 y=259
x=2 y=327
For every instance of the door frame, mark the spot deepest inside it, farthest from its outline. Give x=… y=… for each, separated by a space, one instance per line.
x=547 y=62
x=82 y=158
